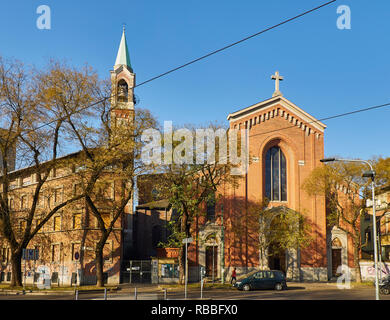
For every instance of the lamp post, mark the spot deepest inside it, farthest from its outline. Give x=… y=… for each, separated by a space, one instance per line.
x=368 y=174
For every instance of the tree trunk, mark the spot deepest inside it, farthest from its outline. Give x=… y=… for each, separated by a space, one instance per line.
x=16 y=266
x=99 y=267
x=356 y=261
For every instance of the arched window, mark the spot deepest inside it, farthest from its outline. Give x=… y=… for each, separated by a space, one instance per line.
x=122 y=91
x=275 y=175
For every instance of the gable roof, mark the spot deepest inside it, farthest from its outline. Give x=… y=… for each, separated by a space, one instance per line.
x=270 y=103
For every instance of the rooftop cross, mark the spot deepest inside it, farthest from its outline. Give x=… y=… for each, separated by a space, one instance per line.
x=277 y=77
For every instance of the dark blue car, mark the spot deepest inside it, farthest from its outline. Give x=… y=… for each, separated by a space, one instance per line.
x=265 y=279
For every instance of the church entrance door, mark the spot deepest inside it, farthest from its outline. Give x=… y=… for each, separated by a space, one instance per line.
x=336 y=261
x=211 y=261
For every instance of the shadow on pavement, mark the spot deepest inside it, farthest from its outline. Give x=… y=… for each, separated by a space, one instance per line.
x=295 y=288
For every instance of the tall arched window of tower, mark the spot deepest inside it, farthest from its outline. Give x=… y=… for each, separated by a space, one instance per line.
x=122 y=91
x=275 y=175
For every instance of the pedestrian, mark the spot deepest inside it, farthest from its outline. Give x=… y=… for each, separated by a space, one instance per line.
x=234 y=277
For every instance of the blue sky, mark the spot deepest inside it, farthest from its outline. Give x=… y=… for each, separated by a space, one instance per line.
x=327 y=71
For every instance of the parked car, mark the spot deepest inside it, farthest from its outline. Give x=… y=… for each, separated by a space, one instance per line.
x=264 y=279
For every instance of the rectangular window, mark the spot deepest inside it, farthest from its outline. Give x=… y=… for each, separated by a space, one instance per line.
x=76 y=221
x=55 y=253
x=37 y=253
x=58 y=195
x=11 y=204
x=75 y=248
x=5 y=255
x=57 y=223
x=23 y=202
x=22 y=225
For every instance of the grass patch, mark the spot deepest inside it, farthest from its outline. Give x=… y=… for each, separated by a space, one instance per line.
x=363 y=284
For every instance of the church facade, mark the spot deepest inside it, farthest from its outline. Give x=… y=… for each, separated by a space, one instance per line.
x=285 y=145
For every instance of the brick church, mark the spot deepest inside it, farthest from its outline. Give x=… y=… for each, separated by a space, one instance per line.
x=285 y=144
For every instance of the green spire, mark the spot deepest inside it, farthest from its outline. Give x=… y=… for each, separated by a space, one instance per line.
x=123 y=57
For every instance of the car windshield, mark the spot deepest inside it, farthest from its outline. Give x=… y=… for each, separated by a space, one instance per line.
x=247 y=275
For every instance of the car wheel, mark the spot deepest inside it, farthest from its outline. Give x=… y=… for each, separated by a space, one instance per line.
x=246 y=287
x=278 y=287
x=384 y=290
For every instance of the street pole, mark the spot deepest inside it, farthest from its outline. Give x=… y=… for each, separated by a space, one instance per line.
x=375 y=237
x=186 y=278
x=213 y=260
x=222 y=248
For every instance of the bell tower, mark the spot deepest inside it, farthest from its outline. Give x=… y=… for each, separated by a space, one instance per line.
x=122 y=86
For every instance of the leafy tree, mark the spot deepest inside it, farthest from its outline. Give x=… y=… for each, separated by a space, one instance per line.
x=190 y=186
x=344 y=187
x=275 y=229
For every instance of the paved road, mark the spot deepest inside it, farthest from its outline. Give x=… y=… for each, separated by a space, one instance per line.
x=295 y=291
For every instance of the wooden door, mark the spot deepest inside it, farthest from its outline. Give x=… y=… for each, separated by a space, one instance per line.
x=211 y=255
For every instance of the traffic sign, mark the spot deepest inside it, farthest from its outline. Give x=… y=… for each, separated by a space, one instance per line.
x=77 y=256
x=187 y=240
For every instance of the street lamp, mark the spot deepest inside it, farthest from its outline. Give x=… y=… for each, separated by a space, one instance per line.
x=367 y=174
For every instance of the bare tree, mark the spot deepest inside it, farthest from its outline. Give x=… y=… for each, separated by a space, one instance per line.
x=33 y=127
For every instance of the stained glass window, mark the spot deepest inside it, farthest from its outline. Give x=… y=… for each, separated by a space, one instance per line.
x=275 y=175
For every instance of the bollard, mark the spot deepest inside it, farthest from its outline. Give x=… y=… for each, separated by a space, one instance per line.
x=77 y=295
x=135 y=293
x=105 y=293
x=165 y=293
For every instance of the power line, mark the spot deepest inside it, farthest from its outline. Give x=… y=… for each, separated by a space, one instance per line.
x=235 y=43
x=191 y=62
x=327 y=118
